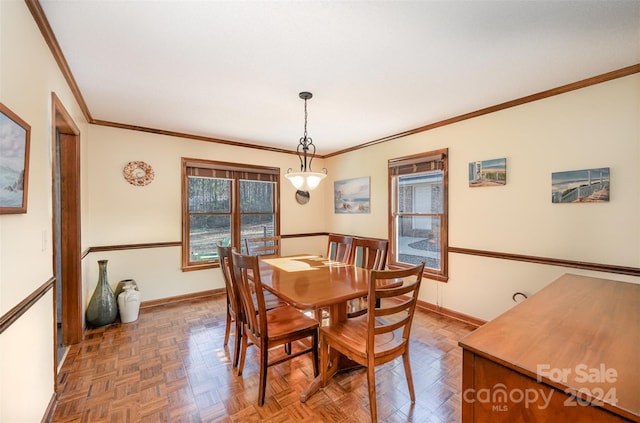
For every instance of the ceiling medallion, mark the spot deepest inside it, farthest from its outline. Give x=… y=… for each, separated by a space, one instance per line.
x=138 y=173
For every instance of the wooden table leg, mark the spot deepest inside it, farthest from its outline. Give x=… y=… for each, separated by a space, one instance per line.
x=311 y=389
x=316 y=384
x=337 y=313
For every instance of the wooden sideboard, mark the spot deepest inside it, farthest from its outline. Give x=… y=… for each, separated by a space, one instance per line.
x=569 y=353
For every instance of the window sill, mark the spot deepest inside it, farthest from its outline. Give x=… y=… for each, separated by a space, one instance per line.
x=208 y=265
x=426 y=274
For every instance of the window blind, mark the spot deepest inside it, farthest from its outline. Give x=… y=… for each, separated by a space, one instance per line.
x=267 y=174
x=416 y=164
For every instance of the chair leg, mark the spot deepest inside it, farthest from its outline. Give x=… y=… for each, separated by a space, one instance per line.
x=236 y=353
x=314 y=342
x=243 y=352
x=407 y=371
x=227 y=329
x=371 y=381
x=264 y=362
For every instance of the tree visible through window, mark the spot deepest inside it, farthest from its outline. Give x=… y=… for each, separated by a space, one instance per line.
x=418 y=209
x=224 y=202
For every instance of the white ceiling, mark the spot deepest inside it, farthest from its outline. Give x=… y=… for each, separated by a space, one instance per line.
x=233 y=69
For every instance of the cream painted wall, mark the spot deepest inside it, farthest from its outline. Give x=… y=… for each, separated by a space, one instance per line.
x=593 y=127
x=27 y=364
x=28 y=76
x=120 y=213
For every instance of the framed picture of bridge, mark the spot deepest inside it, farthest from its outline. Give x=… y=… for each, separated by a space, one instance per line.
x=580 y=186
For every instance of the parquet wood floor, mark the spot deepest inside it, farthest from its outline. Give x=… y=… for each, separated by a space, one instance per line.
x=170 y=366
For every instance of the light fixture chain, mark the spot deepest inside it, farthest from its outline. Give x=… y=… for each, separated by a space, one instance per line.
x=305 y=119
x=306 y=141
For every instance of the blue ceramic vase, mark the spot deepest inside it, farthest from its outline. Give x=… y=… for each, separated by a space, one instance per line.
x=103 y=308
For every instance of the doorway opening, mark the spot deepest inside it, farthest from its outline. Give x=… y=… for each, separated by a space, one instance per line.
x=66 y=231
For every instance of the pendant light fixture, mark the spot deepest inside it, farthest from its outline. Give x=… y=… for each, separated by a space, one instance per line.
x=306 y=179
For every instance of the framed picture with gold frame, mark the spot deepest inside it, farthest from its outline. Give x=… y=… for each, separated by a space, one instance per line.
x=14 y=162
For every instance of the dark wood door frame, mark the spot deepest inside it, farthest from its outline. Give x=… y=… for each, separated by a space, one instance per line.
x=69 y=170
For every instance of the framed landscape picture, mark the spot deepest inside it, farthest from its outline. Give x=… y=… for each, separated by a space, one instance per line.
x=351 y=195
x=488 y=173
x=580 y=186
x=14 y=162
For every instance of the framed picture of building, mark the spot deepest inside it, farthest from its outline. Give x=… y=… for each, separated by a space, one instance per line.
x=352 y=195
x=488 y=173
x=14 y=162
x=580 y=186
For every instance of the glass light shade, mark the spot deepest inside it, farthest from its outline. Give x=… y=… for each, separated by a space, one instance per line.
x=305 y=181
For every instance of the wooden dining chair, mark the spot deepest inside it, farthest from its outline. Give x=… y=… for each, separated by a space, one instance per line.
x=339 y=248
x=382 y=334
x=233 y=302
x=269 y=328
x=371 y=254
x=263 y=246
x=234 y=306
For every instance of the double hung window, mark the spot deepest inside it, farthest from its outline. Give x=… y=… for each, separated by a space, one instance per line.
x=418 y=212
x=225 y=202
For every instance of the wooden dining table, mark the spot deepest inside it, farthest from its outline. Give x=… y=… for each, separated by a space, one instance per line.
x=310 y=282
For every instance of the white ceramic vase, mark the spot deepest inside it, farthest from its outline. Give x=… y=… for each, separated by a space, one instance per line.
x=122 y=284
x=129 y=304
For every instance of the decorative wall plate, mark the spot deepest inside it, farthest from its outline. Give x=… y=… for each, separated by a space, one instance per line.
x=138 y=173
x=302 y=197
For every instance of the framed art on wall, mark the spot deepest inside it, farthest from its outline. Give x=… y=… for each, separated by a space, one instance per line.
x=580 y=186
x=351 y=195
x=14 y=162
x=488 y=173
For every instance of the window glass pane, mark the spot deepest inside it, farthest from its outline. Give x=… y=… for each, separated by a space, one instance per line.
x=420 y=193
x=256 y=196
x=205 y=232
x=225 y=202
x=209 y=195
x=418 y=240
x=256 y=226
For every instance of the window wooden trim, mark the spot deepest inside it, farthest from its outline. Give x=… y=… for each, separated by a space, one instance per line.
x=236 y=172
x=432 y=160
